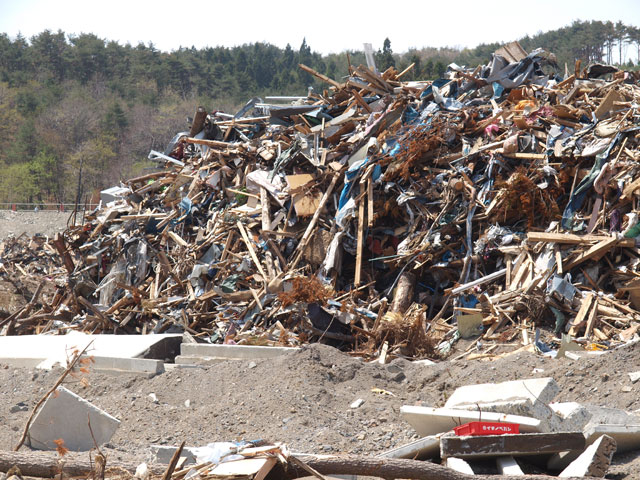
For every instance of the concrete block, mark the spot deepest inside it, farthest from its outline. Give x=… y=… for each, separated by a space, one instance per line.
x=422 y=449
x=527 y=444
x=163 y=454
x=431 y=421
x=594 y=461
x=627 y=437
x=66 y=415
x=242 y=352
x=610 y=416
x=508 y=466
x=114 y=365
x=541 y=390
x=459 y=465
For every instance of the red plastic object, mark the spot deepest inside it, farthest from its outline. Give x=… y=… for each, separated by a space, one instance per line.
x=486 y=428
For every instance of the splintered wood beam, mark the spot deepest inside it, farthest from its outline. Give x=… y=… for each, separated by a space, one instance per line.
x=319 y=75
x=361 y=221
x=597 y=250
x=252 y=251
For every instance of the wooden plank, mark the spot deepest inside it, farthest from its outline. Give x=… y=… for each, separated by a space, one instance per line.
x=572 y=239
x=266 y=217
x=598 y=249
x=319 y=75
x=370 y=212
x=252 y=252
x=518 y=445
x=525 y=156
x=582 y=314
x=361 y=101
x=358 y=275
x=593 y=315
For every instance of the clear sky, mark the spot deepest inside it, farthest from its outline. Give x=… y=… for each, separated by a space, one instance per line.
x=328 y=25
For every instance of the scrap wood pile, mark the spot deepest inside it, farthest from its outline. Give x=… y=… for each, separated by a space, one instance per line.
x=380 y=215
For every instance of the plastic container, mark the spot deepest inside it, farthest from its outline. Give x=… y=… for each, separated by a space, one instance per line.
x=486 y=428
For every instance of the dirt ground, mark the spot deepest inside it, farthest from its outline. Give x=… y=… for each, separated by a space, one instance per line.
x=44 y=222
x=304 y=399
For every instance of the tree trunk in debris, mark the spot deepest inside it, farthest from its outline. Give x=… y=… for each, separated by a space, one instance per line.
x=391 y=468
x=45 y=464
x=404 y=293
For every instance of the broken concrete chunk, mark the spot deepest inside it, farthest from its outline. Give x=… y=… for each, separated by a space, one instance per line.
x=534 y=389
x=65 y=416
x=594 y=461
x=574 y=416
x=431 y=421
x=627 y=437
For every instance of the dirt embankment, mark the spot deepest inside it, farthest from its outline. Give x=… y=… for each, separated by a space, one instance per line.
x=304 y=399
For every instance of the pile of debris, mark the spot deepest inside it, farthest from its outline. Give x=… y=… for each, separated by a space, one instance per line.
x=516 y=425
x=383 y=216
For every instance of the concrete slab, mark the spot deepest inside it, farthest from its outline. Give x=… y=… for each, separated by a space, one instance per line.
x=459 y=465
x=508 y=466
x=431 y=421
x=549 y=421
x=56 y=349
x=248 y=352
x=422 y=449
x=541 y=390
x=66 y=415
x=529 y=444
x=594 y=461
x=627 y=437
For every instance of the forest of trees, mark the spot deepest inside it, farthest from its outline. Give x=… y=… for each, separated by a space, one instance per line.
x=72 y=105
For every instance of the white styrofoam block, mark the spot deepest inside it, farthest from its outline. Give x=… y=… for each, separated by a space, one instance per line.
x=66 y=416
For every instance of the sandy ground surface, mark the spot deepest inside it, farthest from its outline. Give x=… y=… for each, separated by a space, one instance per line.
x=304 y=399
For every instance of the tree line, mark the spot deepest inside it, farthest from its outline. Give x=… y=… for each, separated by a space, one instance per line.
x=82 y=110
